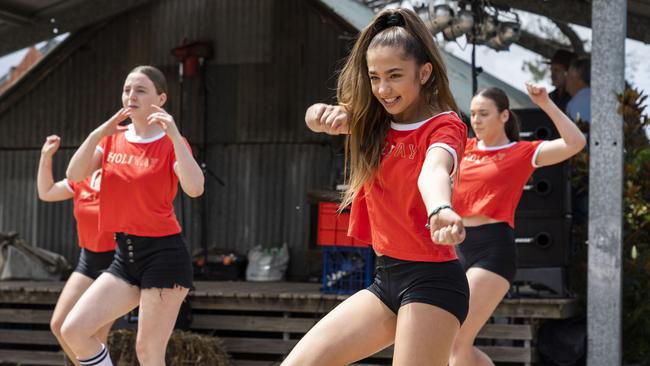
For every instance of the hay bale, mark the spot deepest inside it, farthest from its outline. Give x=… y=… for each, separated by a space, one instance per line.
x=184 y=348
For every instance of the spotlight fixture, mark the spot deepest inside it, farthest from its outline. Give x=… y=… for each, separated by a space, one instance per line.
x=462 y=24
x=482 y=25
x=484 y=30
x=440 y=17
x=507 y=34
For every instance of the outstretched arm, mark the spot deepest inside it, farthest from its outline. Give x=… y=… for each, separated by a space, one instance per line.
x=325 y=118
x=571 y=139
x=435 y=187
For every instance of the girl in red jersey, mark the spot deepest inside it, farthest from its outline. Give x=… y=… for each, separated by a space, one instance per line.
x=493 y=172
x=405 y=137
x=97 y=248
x=141 y=168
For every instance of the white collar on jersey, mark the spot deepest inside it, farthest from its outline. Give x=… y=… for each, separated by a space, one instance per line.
x=414 y=125
x=481 y=146
x=130 y=136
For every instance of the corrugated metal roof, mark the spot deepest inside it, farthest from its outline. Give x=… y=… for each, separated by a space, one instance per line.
x=26 y=22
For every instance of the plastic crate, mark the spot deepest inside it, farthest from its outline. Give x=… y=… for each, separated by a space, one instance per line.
x=347 y=270
x=333 y=226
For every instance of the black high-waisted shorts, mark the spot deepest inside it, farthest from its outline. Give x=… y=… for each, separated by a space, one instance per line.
x=152 y=262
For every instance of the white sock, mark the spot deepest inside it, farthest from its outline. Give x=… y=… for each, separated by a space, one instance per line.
x=100 y=359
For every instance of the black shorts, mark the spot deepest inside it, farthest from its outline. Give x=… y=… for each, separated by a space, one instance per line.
x=491 y=247
x=152 y=262
x=441 y=284
x=92 y=264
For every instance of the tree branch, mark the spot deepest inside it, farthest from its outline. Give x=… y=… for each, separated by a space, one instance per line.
x=576 y=42
x=542 y=46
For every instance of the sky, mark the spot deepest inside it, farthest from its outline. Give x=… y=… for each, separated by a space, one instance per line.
x=506 y=65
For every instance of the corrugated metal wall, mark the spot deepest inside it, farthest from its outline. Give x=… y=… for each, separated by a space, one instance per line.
x=272 y=59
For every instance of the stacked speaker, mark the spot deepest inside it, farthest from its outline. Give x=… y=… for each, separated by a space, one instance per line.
x=543 y=217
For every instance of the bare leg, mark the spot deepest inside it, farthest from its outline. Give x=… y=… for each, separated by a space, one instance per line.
x=107 y=299
x=425 y=334
x=76 y=285
x=156 y=318
x=486 y=292
x=357 y=328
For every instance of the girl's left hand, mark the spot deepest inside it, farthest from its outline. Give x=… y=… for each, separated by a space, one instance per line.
x=447 y=228
x=537 y=93
x=164 y=120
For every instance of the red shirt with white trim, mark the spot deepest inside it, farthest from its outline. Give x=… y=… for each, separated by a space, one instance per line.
x=492 y=179
x=139 y=184
x=86 y=213
x=389 y=211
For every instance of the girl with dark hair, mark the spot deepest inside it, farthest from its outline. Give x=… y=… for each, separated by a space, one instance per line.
x=141 y=168
x=404 y=140
x=96 y=248
x=493 y=172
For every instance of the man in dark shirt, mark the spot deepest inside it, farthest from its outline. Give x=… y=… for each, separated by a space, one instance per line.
x=559 y=67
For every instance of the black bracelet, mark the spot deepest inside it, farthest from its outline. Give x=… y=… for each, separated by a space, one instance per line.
x=435 y=212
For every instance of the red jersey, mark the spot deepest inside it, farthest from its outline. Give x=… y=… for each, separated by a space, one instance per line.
x=139 y=184
x=492 y=179
x=389 y=211
x=86 y=213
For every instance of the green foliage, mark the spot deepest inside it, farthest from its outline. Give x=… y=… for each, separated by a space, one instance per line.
x=537 y=68
x=636 y=244
x=636 y=227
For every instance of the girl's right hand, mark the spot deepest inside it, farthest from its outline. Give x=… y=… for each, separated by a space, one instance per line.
x=331 y=119
x=51 y=145
x=447 y=227
x=111 y=126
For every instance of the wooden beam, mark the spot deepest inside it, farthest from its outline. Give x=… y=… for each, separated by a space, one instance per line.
x=25 y=316
x=252 y=323
x=28 y=357
x=319 y=306
x=522 y=332
x=510 y=354
x=303 y=325
x=27 y=336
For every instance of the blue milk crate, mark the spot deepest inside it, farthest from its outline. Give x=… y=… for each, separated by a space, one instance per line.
x=347 y=270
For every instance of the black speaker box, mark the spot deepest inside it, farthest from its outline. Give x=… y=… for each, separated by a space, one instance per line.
x=543 y=242
x=548 y=192
x=535 y=125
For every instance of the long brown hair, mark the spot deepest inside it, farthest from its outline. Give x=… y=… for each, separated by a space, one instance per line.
x=368 y=120
x=502 y=102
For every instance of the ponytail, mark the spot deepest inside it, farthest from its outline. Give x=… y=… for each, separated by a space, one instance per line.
x=502 y=102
